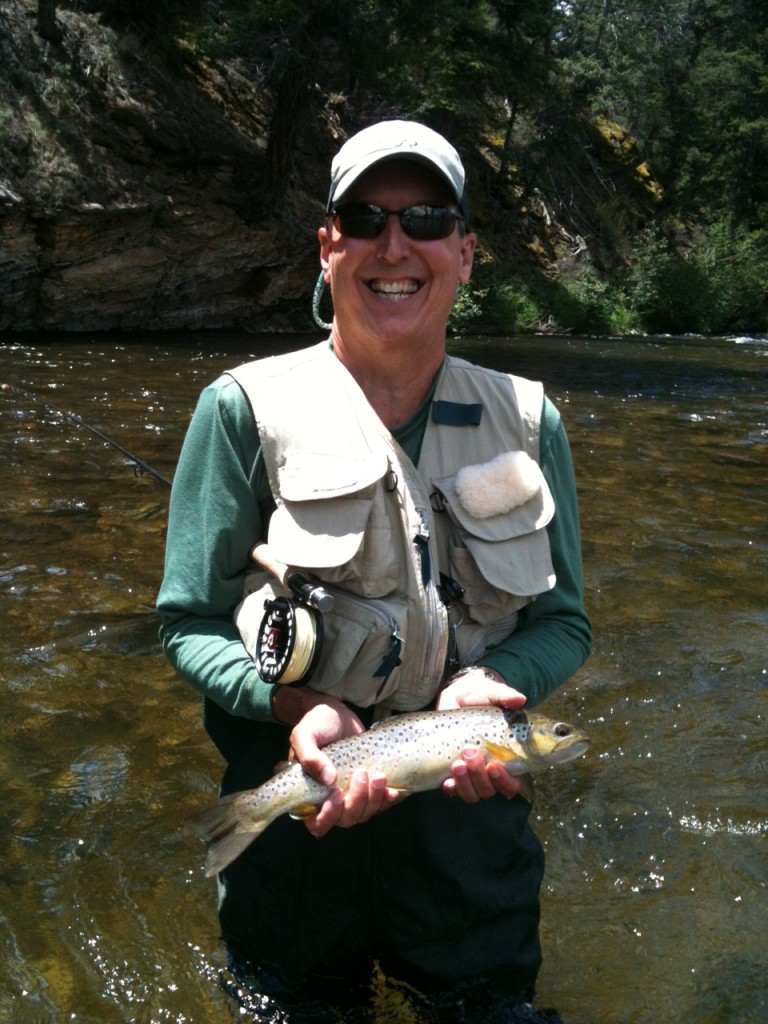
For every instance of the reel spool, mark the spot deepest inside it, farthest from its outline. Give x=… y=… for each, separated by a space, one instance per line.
x=289 y=641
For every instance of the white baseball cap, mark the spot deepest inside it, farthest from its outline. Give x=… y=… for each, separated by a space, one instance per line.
x=397 y=140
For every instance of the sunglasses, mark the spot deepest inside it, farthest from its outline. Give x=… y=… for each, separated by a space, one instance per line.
x=422 y=223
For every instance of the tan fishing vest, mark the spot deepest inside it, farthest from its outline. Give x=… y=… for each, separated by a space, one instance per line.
x=428 y=567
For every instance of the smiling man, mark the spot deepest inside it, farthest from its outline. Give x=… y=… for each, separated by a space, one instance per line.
x=393 y=291
x=434 y=501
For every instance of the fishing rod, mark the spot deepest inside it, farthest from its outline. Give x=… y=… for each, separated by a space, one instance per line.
x=290 y=636
x=140 y=466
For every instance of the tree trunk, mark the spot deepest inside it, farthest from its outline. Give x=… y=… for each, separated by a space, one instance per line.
x=47 y=25
x=288 y=118
x=507 y=147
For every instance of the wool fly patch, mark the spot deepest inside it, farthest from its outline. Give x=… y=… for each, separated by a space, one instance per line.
x=492 y=488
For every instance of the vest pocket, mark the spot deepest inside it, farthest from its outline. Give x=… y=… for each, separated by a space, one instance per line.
x=361 y=643
x=500 y=574
x=474 y=640
x=502 y=560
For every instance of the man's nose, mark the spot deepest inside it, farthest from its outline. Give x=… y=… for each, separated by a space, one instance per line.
x=393 y=243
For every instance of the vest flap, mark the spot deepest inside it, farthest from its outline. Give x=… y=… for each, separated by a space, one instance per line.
x=307 y=475
x=524 y=563
x=318 y=534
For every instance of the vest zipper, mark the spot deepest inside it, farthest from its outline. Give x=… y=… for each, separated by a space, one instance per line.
x=434 y=650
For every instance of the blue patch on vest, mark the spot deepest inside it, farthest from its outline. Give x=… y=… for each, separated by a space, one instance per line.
x=457 y=414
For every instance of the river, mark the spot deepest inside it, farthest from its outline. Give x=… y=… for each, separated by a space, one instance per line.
x=655 y=902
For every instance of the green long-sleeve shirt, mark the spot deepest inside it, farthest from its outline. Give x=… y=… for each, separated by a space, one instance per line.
x=219 y=506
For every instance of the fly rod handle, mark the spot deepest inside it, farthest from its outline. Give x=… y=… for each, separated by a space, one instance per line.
x=292 y=579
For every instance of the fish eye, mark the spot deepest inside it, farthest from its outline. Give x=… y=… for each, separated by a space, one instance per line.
x=561 y=729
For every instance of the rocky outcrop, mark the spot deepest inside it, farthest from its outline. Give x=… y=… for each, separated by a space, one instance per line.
x=132 y=197
x=186 y=262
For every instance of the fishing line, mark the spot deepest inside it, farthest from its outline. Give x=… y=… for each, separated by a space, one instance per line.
x=140 y=466
x=291 y=631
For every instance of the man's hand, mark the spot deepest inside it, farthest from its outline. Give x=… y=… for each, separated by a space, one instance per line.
x=474 y=686
x=472 y=777
x=326 y=719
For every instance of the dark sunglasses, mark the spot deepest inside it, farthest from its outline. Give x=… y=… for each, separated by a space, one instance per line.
x=422 y=223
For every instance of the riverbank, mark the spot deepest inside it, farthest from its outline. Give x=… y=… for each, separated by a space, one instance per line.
x=145 y=186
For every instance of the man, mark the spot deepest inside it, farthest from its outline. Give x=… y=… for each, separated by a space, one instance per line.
x=425 y=492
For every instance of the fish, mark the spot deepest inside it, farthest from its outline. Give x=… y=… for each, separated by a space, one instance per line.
x=414 y=751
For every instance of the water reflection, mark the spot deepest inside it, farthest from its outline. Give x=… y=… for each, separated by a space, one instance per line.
x=655 y=894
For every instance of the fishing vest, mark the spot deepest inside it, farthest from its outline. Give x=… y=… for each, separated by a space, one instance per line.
x=428 y=567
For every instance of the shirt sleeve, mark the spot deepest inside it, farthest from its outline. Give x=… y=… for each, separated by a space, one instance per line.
x=554 y=633
x=215 y=517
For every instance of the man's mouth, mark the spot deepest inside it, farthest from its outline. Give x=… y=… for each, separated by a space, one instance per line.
x=395 y=290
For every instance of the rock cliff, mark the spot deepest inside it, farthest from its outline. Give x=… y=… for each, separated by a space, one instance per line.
x=131 y=195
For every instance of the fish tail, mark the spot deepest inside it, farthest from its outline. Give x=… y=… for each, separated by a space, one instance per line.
x=226 y=831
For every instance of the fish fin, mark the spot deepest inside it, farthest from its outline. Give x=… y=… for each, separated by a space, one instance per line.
x=302 y=811
x=527 y=789
x=513 y=764
x=222 y=852
x=307 y=810
x=226 y=832
x=500 y=753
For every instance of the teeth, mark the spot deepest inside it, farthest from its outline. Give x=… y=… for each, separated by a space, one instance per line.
x=394 y=289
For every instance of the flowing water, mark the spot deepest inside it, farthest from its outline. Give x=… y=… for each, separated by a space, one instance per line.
x=655 y=905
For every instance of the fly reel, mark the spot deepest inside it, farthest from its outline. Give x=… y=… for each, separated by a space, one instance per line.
x=289 y=641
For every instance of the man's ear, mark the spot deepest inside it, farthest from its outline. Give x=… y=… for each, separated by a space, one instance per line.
x=467 y=256
x=324 y=238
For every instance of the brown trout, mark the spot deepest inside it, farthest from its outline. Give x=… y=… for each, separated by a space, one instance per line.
x=415 y=753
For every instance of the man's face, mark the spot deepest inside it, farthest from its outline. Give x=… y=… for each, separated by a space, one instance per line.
x=392 y=289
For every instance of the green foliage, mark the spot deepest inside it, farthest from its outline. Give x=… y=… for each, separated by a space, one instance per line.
x=734 y=263
x=668 y=292
x=492 y=303
x=717 y=287
x=689 y=77
x=467 y=311
x=462 y=58
x=505 y=303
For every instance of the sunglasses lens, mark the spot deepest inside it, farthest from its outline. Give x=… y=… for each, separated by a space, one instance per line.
x=422 y=223
x=361 y=221
x=427 y=223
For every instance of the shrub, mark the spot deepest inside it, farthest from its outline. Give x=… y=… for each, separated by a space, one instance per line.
x=718 y=286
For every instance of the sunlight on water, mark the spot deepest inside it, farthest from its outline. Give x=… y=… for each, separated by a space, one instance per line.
x=655 y=895
x=734 y=828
